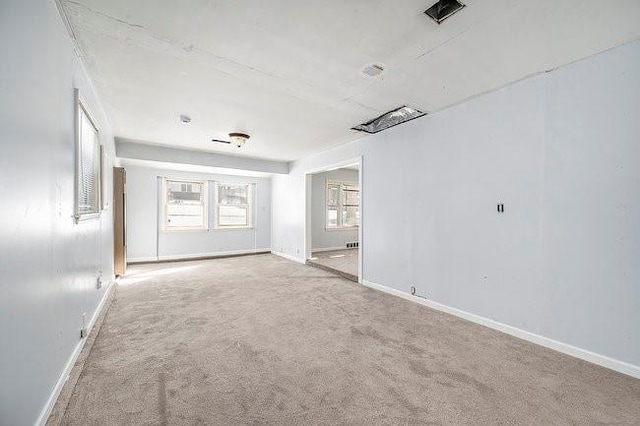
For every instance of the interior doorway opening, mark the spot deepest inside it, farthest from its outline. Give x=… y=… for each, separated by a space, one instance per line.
x=334 y=219
x=119 y=221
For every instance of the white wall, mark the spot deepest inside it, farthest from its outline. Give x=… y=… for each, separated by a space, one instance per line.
x=321 y=238
x=164 y=154
x=145 y=241
x=561 y=151
x=48 y=264
x=287 y=216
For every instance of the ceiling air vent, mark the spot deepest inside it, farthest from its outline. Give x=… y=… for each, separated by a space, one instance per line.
x=373 y=70
x=443 y=9
x=389 y=119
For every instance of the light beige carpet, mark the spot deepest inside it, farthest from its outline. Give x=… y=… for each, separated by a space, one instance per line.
x=343 y=262
x=261 y=340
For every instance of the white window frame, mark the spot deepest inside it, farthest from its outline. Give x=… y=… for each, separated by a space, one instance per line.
x=82 y=108
x=341 y=206
x=104 y=196
x=248 y=206
x=165 y=203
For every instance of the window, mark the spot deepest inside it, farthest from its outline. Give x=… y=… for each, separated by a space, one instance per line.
x=87 y=197
x=343 y=205
x=233 y=205
x=185 y=205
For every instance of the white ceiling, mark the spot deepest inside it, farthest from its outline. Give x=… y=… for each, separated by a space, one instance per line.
x=288 y=71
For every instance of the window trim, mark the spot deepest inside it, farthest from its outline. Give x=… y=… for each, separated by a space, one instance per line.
x=250 y=220
x=165 y=203
x=81 y=106
x=104 y=197
x=340 y=226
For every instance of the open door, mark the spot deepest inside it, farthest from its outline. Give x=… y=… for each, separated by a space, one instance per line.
x=119 y=225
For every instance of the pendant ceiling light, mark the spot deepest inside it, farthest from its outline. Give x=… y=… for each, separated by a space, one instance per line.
x=238 y=139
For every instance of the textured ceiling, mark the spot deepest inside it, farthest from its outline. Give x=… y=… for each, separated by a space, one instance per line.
x=288 y=71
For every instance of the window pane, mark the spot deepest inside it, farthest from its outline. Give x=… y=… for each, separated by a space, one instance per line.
x=185 y=192
x=343 y=200
x=185 y=204
x=350 y=216
x=333 y=194
x=233 y=194
x=185 y=215
x=332 y=217
x=351 y=197
x=233 y=215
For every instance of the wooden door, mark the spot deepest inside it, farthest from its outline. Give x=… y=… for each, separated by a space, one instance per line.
x=119 y=222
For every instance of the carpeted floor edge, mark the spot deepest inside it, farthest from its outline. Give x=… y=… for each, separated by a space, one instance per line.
x=57 y=414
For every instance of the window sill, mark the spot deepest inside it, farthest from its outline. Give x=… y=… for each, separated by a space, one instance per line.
x=169 y=231
x=206 y=230
x=87 y=217
x=233 y=228
x=342 y=228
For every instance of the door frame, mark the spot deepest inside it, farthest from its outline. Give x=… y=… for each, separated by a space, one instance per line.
x=119 y=221
x=307 y=208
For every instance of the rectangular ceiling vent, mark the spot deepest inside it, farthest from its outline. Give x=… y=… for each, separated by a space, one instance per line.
x=443 y=9
x=389 y=119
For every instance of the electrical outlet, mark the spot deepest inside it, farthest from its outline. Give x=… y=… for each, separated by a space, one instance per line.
x=83 y=328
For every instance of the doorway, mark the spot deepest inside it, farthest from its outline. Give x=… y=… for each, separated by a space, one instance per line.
x=119 y=225
x=334 y=219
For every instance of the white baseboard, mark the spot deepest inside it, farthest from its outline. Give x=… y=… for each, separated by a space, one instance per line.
x=197 y=255
x=214 y=254
x=601 y=360
x=141 y=259
x=64 y=376
x=288 y=256
x=332 y=249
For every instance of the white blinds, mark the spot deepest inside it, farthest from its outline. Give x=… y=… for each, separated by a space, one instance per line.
x=88 y=166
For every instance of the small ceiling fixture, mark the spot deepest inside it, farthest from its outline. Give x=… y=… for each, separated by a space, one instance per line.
x=237 y=139
x=442 y=9
x=185 y=119
x=389 y=119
